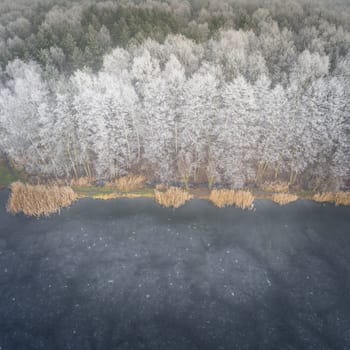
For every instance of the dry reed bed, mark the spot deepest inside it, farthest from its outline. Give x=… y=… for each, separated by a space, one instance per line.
x=82 y=182
x=342 y=198
x=339 y=198
x=39 y=200
x=224 y=198
x=173 y=197
x=128 y=183
x=284 y=198
x=324 y=197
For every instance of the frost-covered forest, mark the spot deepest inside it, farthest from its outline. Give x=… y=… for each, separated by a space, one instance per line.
x=224 y=91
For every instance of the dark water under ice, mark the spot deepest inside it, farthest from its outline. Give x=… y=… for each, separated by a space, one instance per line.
x=127 y=274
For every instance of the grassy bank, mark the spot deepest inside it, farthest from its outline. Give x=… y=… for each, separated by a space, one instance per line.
x=111 y=193
x=7 y=175
x=221 y=198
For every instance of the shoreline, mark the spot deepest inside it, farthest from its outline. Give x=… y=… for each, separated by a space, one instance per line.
x=43 y=201
x=102 y=193
x=109 y=193
x=135 y=186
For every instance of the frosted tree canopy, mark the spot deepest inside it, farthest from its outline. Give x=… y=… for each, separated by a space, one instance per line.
x=228 y=92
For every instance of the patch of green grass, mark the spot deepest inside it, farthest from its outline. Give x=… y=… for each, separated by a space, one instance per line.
x=305 y=194
x=91 y=191
x=7 y=176
x=95 y=192
x=146 y=192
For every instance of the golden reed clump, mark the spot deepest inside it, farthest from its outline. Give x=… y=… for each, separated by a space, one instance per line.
x=39 y=200
x=244 y=199
x=339 y=198
x=173 y=197
x=342 y=198
x=224 y=198
x=128 y=183
x=326 y=197
x=284 y=198
x=275 y=186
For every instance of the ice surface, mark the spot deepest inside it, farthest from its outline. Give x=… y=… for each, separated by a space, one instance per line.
x=127 y=274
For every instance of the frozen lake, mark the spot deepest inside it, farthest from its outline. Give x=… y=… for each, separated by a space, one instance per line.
x=127 y=274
